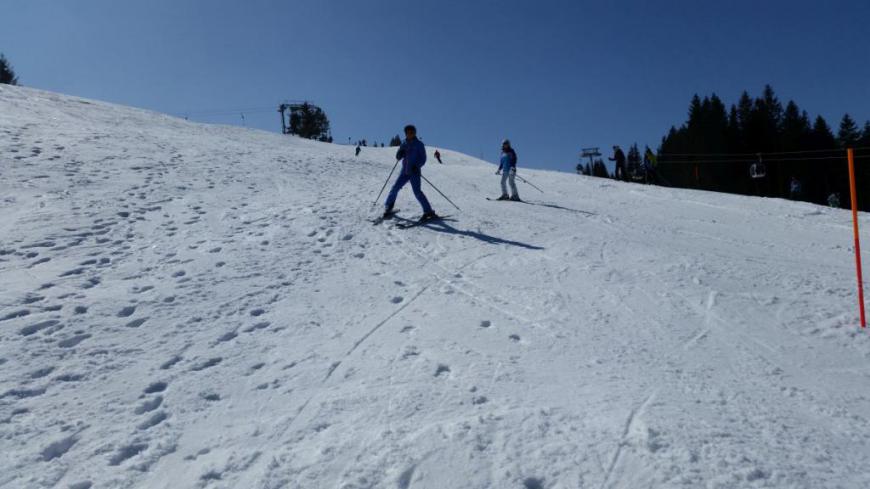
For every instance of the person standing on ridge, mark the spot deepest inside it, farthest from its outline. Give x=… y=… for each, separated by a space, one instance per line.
x=357 y=150
x=619 y=158
x=413 y=156
x=438 y=157
x=649 y=163
x=507 y=168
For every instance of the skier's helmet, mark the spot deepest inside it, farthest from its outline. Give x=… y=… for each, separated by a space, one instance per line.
x=506 y=142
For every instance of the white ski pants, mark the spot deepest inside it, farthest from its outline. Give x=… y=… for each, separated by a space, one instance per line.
x=508 y=177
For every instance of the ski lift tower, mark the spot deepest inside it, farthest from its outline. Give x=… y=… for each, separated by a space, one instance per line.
x=590 y=153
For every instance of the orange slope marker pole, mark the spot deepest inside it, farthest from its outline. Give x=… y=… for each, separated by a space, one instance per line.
x=851 y=157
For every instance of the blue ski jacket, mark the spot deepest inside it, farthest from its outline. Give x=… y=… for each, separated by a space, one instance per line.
x=413 y=156
x=508 y=160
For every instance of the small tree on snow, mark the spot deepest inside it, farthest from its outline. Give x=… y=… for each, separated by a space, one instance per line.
x=309 y=122
x=7 y=74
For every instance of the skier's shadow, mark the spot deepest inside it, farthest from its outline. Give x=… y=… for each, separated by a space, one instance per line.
x=442 y=226
x=554 y=206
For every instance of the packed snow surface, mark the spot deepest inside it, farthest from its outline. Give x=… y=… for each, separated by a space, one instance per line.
x=186 y=306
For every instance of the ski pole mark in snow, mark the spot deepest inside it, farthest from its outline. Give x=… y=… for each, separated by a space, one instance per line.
x=708 y=318
x=404 y=481
x=378 y=326
x=636 y=411
x=480 y=296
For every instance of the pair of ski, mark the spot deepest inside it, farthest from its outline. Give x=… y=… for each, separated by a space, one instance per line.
x=407 y=223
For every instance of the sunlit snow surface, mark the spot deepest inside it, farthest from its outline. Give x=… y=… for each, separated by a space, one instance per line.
x=185 y=305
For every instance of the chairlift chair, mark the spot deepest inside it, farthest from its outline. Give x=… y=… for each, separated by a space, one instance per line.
x=757 y=170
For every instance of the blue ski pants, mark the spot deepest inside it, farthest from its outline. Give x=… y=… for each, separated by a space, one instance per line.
x=415 y=185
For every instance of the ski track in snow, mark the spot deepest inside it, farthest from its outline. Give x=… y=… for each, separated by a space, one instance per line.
x=186 y=305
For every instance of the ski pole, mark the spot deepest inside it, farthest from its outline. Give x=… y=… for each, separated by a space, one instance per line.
x=530 y=183
x=385 y=184
x=440 y=192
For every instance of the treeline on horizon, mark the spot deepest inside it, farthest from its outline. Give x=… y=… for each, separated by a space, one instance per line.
x=716 y=147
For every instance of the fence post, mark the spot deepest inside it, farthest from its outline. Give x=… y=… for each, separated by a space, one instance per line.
x=850 y=155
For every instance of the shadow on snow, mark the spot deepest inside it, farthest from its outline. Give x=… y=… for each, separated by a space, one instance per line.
x=554 y=206
x=442 y=226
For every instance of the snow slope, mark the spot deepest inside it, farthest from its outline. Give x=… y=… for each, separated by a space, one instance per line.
x=185 y=305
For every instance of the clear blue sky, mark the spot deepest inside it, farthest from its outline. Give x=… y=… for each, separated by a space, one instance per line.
x=554 y=76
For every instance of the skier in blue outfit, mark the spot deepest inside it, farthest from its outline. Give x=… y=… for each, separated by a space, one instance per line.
x=508 y=169
x=413 y=156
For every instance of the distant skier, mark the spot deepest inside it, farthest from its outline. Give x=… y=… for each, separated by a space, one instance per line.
x=619 y=158
x=834 y=200
x=438 y=157
x=649 y=166
x=358 y=149
x=507 y=168
x=413 y=156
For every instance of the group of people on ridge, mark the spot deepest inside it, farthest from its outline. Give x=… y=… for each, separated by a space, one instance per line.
x=412 y=153
x=648 y=165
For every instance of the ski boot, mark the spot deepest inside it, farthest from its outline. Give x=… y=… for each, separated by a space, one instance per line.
x=428 y=216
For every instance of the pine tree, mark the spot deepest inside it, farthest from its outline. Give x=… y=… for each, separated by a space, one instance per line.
x=599 y=169
x=744 y=115
x=717 y=125
x=848 y=135
x=865 y=136
x=310 y=122
x=732 y=133
x=633 y=160
x=795 y=128
x=7 y=74
x=807 y=130
x=774 y=108
x=396 y=141
x=694 y=126
x=766 y=119
x=821 y=136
